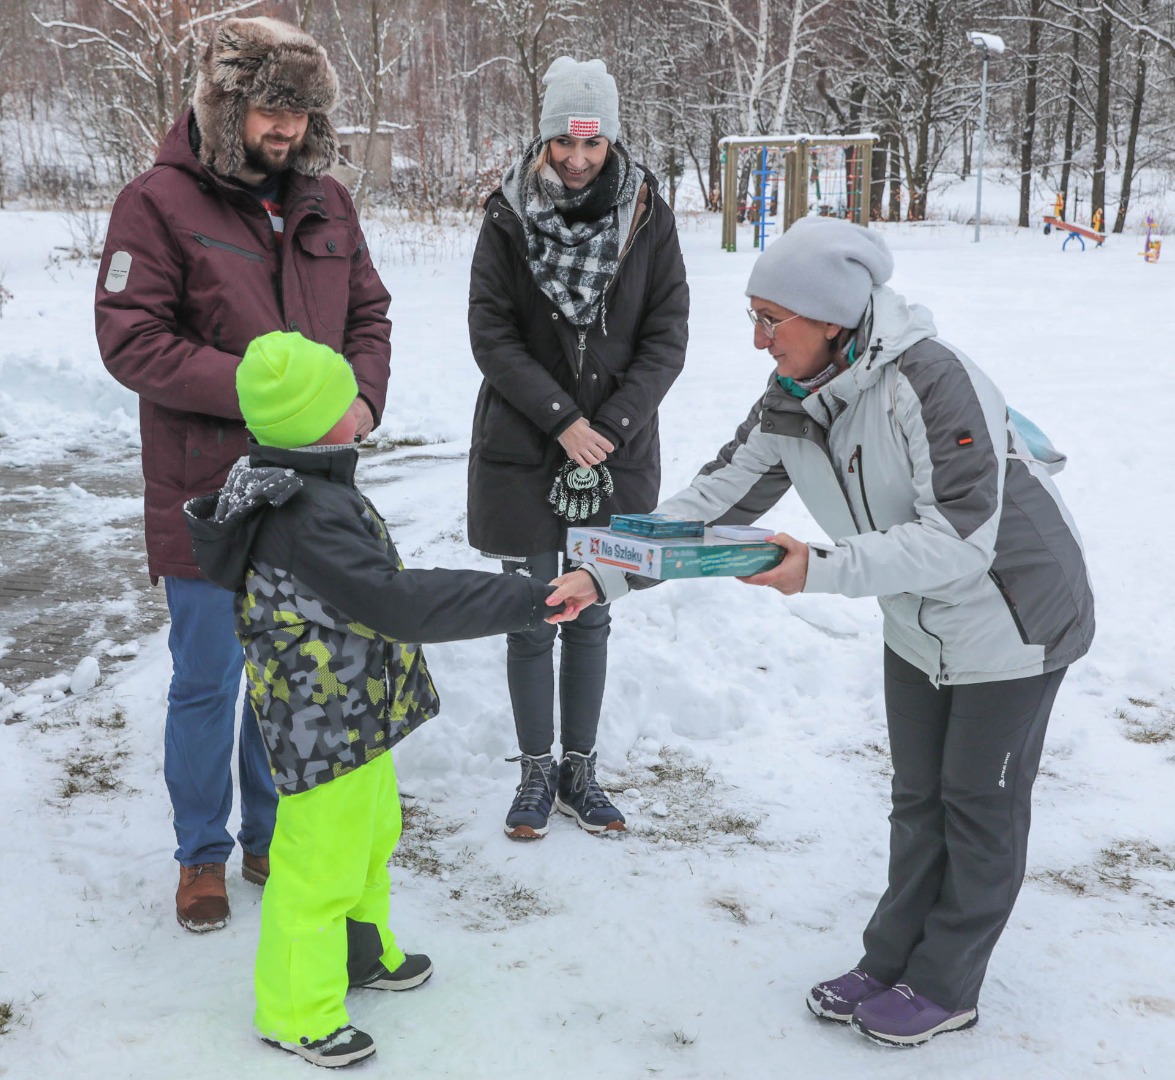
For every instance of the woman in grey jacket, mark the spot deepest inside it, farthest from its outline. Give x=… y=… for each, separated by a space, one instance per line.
x=577 y=318
x=904 y=452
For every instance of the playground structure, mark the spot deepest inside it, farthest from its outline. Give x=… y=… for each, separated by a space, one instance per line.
x=1076 y=232
x=1057 y=221
x=1150 y=250
x=827 y=175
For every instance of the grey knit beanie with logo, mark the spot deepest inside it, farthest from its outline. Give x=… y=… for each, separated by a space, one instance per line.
x=824 y=269
x=580 y=100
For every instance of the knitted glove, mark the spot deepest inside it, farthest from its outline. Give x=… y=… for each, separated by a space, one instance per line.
x=578 y=491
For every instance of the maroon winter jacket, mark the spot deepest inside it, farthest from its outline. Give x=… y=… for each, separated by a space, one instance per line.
x=205 y=277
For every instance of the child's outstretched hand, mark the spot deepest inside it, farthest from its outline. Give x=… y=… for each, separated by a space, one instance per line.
x=574 y=591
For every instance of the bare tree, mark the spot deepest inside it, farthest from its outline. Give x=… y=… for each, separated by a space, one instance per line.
x=938 y=90
x=1142 y=47
x=801 y=29
x=14 y=39
x=756 y=33
x=1150 y=137
x=1073 y=83
x=372 y=39
x=527 y=27
x=1034 y=16
x=1085 y=89
x=917 y=83
x=1101 y=116
x=147 y=51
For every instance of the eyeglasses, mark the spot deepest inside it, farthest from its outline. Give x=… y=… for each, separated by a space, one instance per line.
x=767 y=324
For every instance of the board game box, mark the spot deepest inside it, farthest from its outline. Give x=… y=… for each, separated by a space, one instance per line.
x=672 y=557
x=656 y=525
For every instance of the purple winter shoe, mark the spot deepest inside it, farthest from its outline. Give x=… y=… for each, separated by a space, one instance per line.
x=899 y=1017
x=836 y=999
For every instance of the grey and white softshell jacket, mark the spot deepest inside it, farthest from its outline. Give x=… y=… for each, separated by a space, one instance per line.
x=909 y=462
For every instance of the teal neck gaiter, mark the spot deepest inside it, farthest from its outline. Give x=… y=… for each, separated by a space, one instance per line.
x=801 y=388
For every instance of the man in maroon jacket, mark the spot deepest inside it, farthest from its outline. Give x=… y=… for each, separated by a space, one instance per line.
x=233 y=233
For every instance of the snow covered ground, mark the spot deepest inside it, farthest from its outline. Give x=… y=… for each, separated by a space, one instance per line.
x=742 y=731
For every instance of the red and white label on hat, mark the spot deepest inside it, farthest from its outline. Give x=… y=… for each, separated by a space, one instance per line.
x=579 y=127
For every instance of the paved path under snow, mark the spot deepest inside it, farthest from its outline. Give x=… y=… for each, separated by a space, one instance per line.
x=73 y=567
x=69 y=583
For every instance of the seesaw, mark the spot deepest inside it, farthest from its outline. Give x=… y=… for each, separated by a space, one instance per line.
x=1076 y=232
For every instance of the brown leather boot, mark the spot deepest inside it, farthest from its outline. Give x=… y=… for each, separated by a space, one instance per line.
x=200 y=901
x=255 y=868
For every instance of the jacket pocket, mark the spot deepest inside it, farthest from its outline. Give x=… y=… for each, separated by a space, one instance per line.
x=502 y=433
x=641 y=448
x=222 y=245
x=1010 y=601
x=324 y=273
x=856 y=467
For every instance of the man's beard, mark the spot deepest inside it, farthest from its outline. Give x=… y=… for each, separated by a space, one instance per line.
x=261 y=158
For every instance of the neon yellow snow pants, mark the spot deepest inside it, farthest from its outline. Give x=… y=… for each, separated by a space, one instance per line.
x=328 y=863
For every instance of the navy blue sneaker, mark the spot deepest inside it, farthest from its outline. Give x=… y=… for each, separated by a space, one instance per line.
x=530 y=811
x=579 y=795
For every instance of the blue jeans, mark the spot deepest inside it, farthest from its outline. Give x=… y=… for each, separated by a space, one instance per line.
x=207 y=662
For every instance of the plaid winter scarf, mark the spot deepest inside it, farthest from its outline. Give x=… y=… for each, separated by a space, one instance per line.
x=574 y=238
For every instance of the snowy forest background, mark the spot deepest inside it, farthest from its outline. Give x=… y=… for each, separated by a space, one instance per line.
x=1082 y=101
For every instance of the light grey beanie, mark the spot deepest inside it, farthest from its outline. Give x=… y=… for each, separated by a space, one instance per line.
x=822 y=268
x=580 y=100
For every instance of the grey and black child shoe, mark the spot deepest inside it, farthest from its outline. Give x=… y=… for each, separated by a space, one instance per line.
x=530 y=811
x=580 y=796
x=414 y=971
x=343 y=1046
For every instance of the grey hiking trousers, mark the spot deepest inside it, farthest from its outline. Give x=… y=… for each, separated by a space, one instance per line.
x=583 y=663
x=964 y=761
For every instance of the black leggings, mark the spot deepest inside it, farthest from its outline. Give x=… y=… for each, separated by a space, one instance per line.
x=583 y=663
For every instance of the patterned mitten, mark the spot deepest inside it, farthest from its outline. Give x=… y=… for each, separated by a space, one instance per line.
x=578 y=490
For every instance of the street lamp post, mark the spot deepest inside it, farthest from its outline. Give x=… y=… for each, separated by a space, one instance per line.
x=988 y=44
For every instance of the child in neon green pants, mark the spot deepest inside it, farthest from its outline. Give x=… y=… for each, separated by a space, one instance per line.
x=326 y=613
x=328 y=863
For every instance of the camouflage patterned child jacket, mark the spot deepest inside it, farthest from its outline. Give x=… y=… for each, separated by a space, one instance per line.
x=329 y=618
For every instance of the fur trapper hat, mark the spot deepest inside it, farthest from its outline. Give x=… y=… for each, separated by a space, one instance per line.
x=273 y=65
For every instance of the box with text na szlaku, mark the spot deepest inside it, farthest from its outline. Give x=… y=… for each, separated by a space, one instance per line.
x=671 y=557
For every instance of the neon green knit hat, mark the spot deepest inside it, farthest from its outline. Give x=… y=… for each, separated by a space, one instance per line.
x=293 y=391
